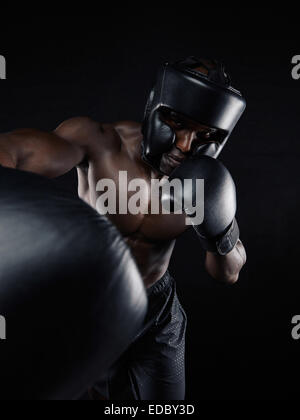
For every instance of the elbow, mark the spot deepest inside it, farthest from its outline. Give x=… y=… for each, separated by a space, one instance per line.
x=231 y=280
x=227 y=269
x=223 y=275
x=227 y=279
x=230 y=275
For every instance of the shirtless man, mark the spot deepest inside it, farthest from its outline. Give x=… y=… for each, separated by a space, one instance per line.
x=153 y=368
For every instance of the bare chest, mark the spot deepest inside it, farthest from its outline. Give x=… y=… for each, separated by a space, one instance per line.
x=123 y=188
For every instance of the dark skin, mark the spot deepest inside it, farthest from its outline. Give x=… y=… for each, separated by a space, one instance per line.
x=108 y=149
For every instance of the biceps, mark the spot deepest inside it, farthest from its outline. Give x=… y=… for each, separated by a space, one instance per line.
x=45 y=153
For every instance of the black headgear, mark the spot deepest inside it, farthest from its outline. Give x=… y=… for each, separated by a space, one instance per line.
x=207 y=99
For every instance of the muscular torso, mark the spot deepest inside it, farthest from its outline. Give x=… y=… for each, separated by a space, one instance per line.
x=107 y=150
x=115 y=148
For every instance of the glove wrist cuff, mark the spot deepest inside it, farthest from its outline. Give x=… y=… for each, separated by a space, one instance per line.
x=221 y=245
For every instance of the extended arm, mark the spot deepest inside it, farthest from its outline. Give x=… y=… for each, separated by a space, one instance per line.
x=49 y=154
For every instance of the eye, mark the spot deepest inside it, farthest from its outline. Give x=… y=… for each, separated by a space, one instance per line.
x=176 y=121
x=205 y=135
x=202 y=135
x=179 y=125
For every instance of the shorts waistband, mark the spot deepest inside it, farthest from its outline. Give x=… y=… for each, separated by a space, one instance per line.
x=161 y=284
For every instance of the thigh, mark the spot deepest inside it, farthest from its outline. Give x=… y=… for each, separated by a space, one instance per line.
x=154 y=367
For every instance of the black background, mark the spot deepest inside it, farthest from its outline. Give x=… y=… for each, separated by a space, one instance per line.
x=103 y=65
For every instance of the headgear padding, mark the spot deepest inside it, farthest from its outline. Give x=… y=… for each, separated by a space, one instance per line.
x=204 y=98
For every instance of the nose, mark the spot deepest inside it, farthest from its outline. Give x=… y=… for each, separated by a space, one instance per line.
x=184 y=140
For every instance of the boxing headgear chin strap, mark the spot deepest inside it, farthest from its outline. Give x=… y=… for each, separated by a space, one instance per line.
x=195 y=96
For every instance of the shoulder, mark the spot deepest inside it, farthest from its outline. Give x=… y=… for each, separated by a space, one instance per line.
x=76 y=126
x=89 y=133
x=129 y=131
x=97 y=136
x=128 y=128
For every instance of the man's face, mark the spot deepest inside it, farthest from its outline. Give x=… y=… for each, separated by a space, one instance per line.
x=190 y=135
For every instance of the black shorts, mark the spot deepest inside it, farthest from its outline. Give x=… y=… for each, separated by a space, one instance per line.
x=153 y=368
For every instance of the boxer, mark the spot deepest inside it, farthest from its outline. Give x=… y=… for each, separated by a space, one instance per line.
x=191 y=113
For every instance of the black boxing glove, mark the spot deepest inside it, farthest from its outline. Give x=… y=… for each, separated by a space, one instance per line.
x=70 y=291
x=219 y=232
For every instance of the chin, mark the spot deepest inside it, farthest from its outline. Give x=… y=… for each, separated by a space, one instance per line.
x=168 y=172
x=165 y=168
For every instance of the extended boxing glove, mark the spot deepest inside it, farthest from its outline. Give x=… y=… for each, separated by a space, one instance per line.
x=70 y=291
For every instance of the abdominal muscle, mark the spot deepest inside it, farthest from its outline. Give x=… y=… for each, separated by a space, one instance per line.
x=152 y=259
x=150 y=239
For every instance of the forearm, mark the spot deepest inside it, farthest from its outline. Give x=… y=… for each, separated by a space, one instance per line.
x=227 y=268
